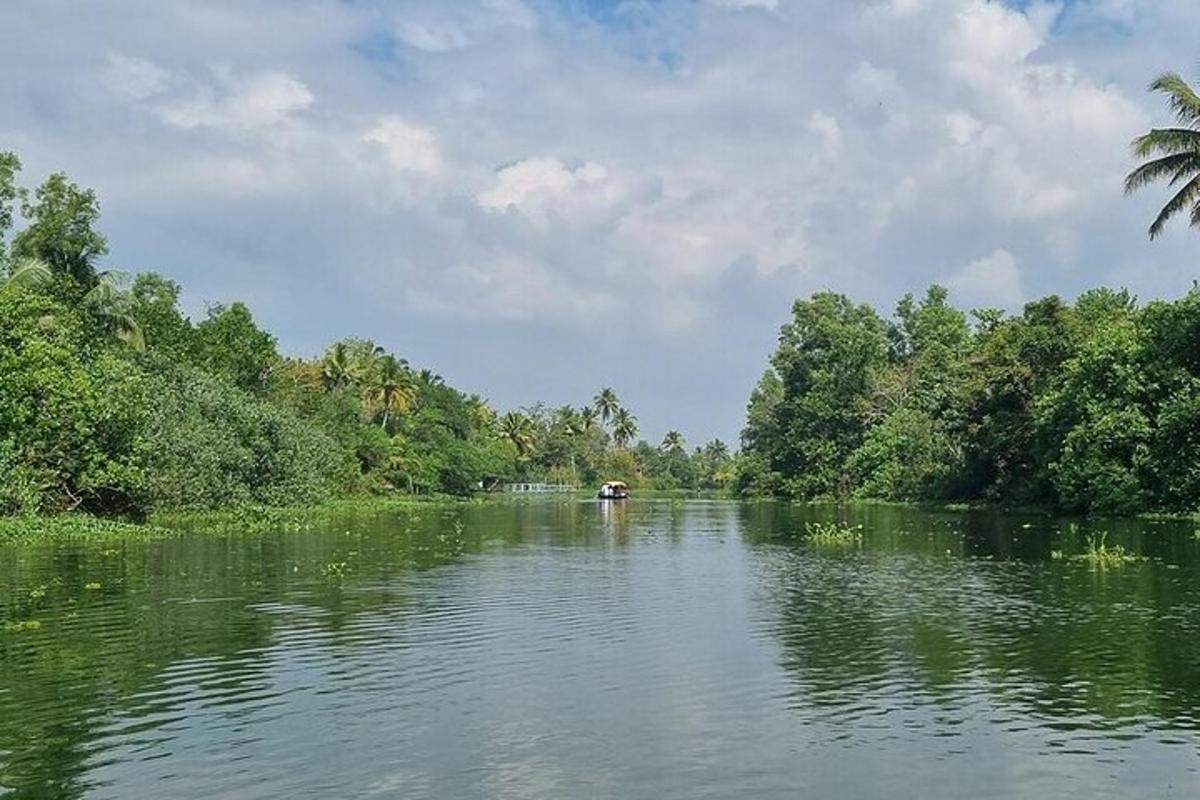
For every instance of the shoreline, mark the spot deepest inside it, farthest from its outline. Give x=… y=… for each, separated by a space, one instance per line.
x=263 y=519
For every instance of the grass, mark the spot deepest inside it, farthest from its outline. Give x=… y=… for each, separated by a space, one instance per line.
x=832 y=534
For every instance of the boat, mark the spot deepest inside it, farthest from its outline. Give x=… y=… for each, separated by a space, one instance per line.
x=614 y=490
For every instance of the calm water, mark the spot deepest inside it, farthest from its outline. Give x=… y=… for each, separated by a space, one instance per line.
x=649 y=650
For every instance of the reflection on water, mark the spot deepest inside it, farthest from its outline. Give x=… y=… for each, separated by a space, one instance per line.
x=641 y=649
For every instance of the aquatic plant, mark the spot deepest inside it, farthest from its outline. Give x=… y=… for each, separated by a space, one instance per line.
x=1102 y=556
x=832 y=534
x=72 y=526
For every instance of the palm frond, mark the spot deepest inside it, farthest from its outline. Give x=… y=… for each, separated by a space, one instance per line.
x=109 y=301
x=1166 y=141
x=28 y=273
x=126 y=329
x=1187 y=195
x=1181 y=98
x=1180 y=165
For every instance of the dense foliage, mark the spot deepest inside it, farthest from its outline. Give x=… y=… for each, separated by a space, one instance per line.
x=114 y=401
x=1091 y=407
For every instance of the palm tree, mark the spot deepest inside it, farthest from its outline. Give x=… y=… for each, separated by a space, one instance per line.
x=606 y=404
x=518 y=429
x=1177 y=152
x=568 y=419
x=587 y=418
x=339 y=368
x=673 y=442
x=27 y=272
x=107 y=299
x=625 y=427
x=110 y=302
x=391 y=387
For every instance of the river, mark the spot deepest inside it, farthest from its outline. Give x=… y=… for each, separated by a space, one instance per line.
x=648 y=649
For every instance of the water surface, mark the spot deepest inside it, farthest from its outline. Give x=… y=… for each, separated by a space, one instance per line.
x=638 y=650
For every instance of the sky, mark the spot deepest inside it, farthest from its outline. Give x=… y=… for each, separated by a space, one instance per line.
x=538 y=198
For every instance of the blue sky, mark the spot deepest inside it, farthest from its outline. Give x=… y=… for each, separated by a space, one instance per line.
x=540 y=198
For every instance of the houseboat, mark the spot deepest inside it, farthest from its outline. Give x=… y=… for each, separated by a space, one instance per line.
x=614 y=490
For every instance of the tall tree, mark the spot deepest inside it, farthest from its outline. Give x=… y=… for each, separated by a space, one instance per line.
x=61 y=229
x=391 y=389
x=1175 y=151
x=10 y=193
x=339 y=368
x=230 y=345
x=518 y=429
x=827 y=362
x=674 y=442
x=606 y=404
x=625 y=427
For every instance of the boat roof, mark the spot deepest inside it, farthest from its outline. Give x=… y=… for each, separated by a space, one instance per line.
x=614 y=483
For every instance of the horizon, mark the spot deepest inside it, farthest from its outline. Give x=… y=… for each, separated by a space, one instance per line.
x=538 y=199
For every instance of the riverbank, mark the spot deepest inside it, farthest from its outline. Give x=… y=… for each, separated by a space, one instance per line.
x=990 y=508
x=241 y=519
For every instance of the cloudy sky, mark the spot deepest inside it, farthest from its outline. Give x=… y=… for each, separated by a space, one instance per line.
x=540 y=197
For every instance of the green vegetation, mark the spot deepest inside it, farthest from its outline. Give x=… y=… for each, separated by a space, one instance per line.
x=75 y=526
x=832 y=534
x=590 y=444
x=1102 y=556
x=115 y=403
x=1091 y=407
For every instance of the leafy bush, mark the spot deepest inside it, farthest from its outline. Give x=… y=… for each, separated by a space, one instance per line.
x=211 y=444
x=71 y=411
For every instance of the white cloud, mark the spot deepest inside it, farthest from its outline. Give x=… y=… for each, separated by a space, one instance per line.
x=993 y=280
x=440 y=27
x=544 y=188
x=241 y=103
x=769 y=5
x=433 y=37
x=526 y=182
x=828 y=132
x=405 y=146
x=962 y=127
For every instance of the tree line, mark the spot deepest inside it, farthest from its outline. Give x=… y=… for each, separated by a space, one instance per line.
x=114 y=401
x=1091 y=406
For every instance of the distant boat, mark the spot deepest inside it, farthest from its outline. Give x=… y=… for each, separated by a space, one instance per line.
x=614 y=490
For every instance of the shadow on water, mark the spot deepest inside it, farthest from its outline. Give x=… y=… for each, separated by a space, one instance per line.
x=986 y=614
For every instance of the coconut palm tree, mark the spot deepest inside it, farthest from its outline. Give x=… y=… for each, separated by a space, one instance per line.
x=391 y=388
x=27 y=272
x=107 y=298
x=587 y=418
x=518 y=429
x=674 y=442
x=339 y=368
x=431 y=378
x=1176 y=153
x=606 y=404
x=568 y=420
x=625 y=427
x=110 y=302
